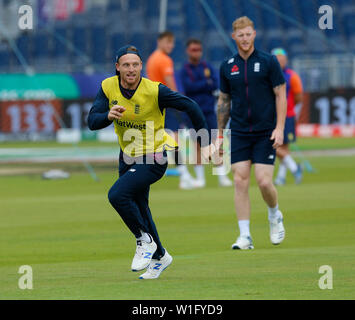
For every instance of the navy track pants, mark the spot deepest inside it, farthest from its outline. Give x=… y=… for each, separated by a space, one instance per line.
x=130 y=197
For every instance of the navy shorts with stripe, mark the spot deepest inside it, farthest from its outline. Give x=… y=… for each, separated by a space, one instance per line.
x=255 y=147
x=290 y=130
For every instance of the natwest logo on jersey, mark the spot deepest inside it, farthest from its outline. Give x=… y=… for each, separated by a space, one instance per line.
x=234 y=70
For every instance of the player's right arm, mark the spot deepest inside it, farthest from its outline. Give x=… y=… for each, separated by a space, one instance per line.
x=223 y=115
x=100 y=115
x=224 y=104
x=224 y=101
x=116 y=113
x=223 y=111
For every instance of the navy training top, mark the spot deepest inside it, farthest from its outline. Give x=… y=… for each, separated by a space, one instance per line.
x=250 y=84
x=199 y=81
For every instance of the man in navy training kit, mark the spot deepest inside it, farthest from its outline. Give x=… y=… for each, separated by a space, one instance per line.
x=199 y=82
x=129 y=101
x=253 y=95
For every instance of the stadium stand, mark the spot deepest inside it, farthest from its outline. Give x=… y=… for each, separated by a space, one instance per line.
x=101 y=29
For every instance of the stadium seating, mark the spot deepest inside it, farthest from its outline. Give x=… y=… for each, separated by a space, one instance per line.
x=98 y=46
x=23 y=43
x=106 y=25
x=4 y=56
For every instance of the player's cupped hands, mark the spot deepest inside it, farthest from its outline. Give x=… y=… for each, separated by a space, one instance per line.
x=116 y=113
x=278 y=137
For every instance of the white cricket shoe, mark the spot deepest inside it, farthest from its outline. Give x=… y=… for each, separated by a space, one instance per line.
x=156 y=267
x=277 y=230
x=188 y=183
x=243 y=243
x=143 y=255
x=200 y=183
x=224 y=181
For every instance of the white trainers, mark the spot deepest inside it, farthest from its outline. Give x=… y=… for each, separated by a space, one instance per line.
x=188 y=183
x=200 y=183
x=277 y=230
x=156 y=267
x=243 y=243
x=224 y=181
x=143 y=255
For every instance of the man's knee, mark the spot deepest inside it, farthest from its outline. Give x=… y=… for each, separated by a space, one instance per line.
x=241 y=182
x=264 y=182
x=117 y=197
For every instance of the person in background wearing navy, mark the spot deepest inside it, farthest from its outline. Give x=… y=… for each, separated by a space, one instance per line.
x=132 y=101
x=253 y=96
x=199 y=83
x=160 y=67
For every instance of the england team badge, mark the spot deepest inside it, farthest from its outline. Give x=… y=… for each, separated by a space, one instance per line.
x=256 y=66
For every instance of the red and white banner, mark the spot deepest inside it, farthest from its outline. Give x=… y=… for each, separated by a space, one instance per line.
x=325 y=131
x=59 y=9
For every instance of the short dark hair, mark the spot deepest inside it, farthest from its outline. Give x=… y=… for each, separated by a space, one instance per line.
x=165 y=34
x=193 y=40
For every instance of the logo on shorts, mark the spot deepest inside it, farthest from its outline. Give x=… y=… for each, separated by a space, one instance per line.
x=271 y=156
x=132 y=170
x=234 y=70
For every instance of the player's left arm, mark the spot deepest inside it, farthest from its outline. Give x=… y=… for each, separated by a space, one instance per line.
x=281 y=109
x=168 y=98
x=172 y=99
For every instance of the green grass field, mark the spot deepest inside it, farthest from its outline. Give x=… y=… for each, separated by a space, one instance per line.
x=79 y=248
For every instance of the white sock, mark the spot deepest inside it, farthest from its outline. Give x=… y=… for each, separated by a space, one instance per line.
x=281 y=174
x=184 y=173
x=200 y=172
x=290 y=163
x=244 y=227
x=145 y=237
x=220 y=170
x=274 y=213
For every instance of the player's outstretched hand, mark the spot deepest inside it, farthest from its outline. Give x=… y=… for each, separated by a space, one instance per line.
x=116 y=113
x=278 y=137
x=209 y=151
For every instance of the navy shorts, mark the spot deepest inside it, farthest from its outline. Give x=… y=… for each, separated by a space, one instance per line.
x=174 y=119
x=255 y=147
x=290 y=130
